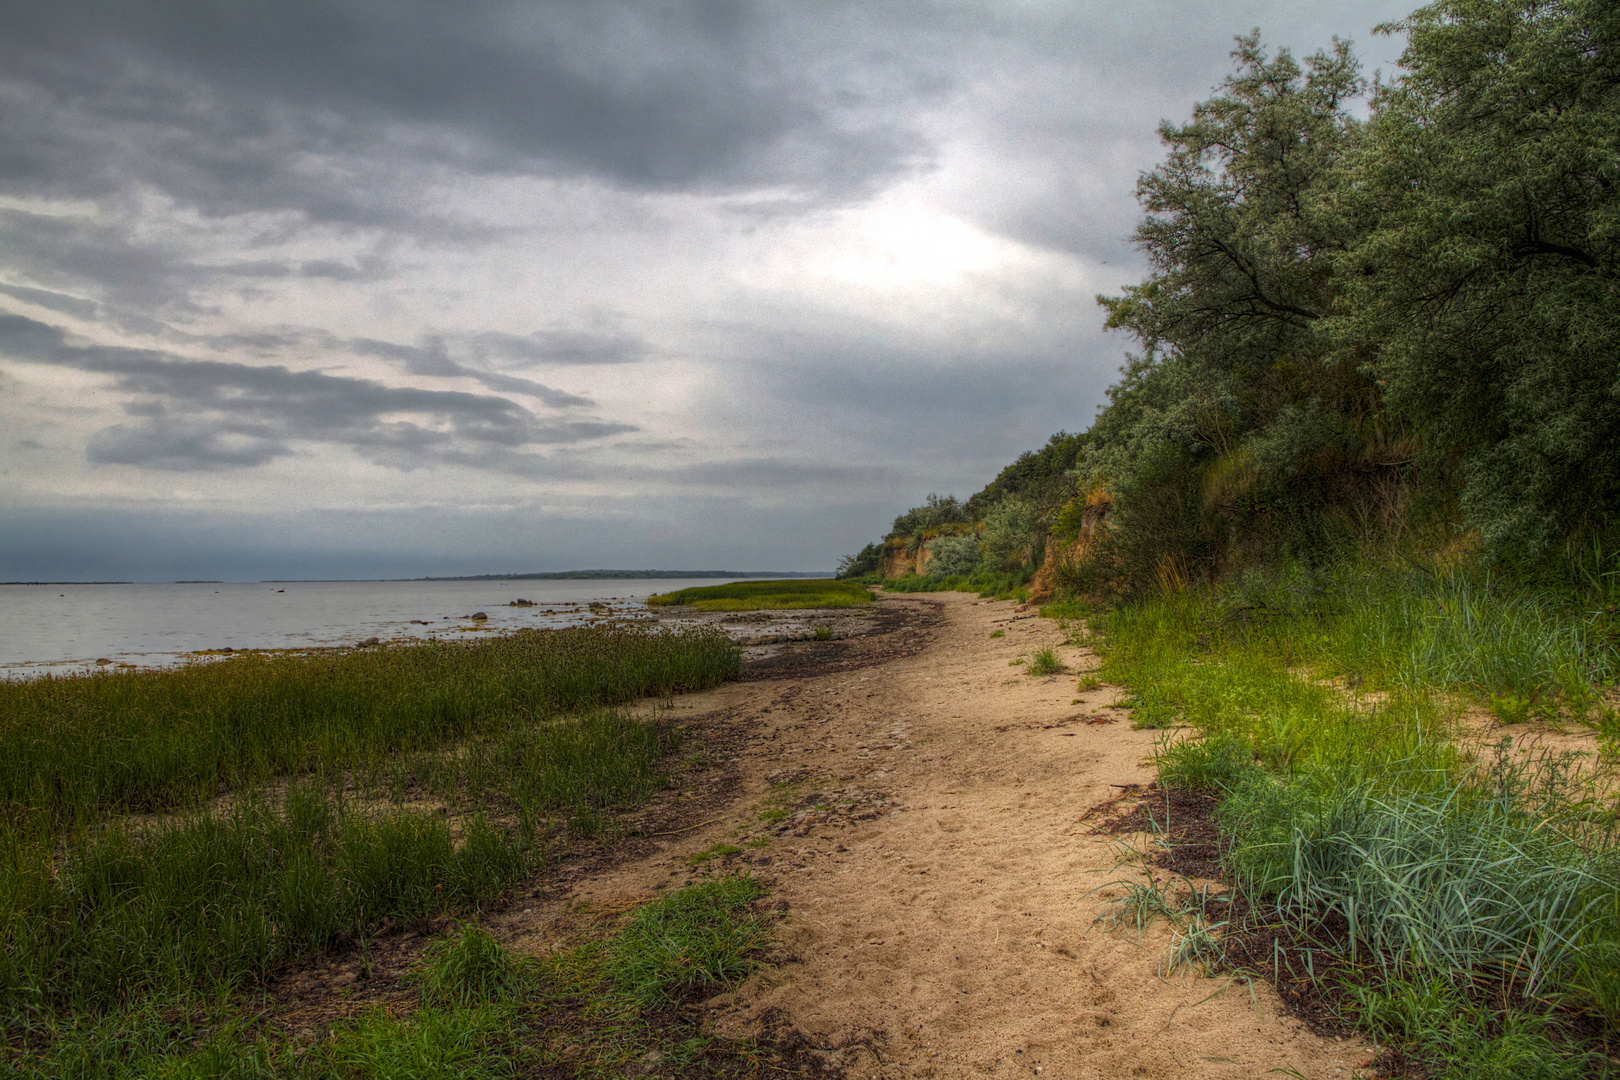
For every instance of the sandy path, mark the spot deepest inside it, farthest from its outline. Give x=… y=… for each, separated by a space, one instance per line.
x=938 y=912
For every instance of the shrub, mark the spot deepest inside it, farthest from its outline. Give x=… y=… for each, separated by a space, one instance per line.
x=954 y=556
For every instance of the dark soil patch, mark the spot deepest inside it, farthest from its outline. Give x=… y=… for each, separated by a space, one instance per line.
x=903 y=626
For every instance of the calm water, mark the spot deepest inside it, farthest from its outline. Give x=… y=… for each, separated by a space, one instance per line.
x=69 y=627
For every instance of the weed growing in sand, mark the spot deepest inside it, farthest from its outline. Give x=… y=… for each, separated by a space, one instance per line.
x=824 y=633
x=1143 y=902
x=998 y=633
x=1045 y=662
x=1090 y=682
x=713 y=851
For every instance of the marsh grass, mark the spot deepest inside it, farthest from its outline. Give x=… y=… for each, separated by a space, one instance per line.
x=1486 y=869
x=83 y=747
x=598 y=1009
x=792 y=595
x=435 y=799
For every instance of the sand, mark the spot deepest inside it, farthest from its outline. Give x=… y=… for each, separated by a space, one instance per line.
x=940 y=904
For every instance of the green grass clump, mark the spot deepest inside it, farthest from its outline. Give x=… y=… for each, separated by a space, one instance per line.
x=1460 y=1040
x=471 y=969
x=1045 y=662
x=701 y=938
x=791 y=595
x=431 y=1044
x=213 y=902
x=713 y=851
x=485 y=1012
x=218 y=898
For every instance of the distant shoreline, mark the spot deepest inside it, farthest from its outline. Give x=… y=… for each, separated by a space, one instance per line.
x=560 y=575
x=615 y=575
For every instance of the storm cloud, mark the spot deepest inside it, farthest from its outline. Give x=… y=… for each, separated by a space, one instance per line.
x=208 y=415
x=619 y=277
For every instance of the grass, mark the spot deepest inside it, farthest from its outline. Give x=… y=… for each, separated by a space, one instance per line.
x=701 y=938
x=470 y=969
x=713 y=851
x=1044 y=662
x=406 y=782
x=84 y=747
x=1011 y=585
x=792 y=595
x=599 y=1009
x=211 y=901
x=1484 y=877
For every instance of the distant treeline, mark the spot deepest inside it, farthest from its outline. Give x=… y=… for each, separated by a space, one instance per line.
x=1380 y=313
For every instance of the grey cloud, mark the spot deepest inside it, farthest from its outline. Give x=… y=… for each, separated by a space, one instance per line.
x=104 y=256
x=778 y=473
x=433 y=358
x=368 y=270
x=236 y=107
x=561 y=347
x=212 y=414
x=77 y=306
x=187 y=447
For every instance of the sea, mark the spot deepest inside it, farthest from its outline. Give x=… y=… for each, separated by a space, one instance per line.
x=62 y=629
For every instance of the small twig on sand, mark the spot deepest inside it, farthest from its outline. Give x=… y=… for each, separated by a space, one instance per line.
x=689 y=828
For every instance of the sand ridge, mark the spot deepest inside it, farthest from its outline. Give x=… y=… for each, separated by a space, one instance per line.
x=941 y=881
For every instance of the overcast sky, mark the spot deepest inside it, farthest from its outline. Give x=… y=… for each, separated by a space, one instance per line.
x=365 y=288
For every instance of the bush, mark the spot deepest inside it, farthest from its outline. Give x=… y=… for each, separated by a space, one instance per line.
x=954 y=556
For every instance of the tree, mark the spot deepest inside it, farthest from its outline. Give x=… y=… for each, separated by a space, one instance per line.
x=1488 y=285
x=1234 y=386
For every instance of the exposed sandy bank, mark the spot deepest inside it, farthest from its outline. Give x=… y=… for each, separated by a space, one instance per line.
x=939 y=921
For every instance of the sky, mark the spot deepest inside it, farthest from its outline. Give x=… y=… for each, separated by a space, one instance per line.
x=397 y=288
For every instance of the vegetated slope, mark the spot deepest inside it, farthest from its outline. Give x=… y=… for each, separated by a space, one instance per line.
x=1399 y=329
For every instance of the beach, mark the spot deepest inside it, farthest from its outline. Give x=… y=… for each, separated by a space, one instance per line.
x=926 y=818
